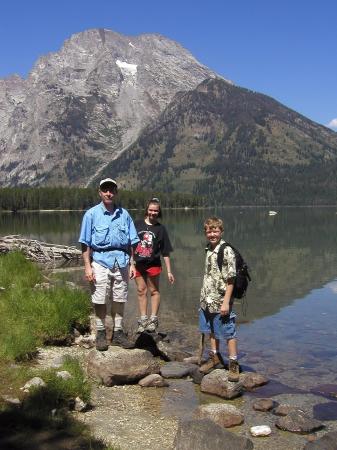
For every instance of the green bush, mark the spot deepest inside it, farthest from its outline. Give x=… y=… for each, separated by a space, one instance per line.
x=32 y=316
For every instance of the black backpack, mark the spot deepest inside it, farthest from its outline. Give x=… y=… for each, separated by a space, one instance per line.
x=242 y=275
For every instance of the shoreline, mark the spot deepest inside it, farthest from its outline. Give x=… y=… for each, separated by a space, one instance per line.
x=178 y=208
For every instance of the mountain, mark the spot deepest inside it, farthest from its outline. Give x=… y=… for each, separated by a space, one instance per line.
x=85 y=104
x=233 y=146
x=144 y=110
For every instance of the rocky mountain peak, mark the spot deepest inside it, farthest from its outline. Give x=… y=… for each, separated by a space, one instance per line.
x=82 y=106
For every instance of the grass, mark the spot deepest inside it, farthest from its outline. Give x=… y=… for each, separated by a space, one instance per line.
x=30 y=317
x=43 y=421
x=59 y=392
x=34 y=316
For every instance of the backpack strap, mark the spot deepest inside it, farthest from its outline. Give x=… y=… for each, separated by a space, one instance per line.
x=220 y=256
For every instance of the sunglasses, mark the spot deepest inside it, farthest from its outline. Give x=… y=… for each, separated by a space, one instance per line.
x=108 y=188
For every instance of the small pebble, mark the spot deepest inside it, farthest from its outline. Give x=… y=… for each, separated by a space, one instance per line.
x=260 y=430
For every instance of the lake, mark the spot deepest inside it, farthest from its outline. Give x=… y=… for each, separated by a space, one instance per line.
x=287 y=323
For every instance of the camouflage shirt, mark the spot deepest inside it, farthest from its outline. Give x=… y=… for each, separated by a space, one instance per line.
x=215 y=282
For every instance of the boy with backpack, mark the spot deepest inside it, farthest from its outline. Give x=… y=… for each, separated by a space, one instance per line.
x=216 y=316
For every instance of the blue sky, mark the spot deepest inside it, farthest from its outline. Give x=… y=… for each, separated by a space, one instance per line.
x=285 y=49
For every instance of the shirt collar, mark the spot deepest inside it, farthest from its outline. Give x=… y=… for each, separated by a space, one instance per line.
x=106 y=211
x=216 y=248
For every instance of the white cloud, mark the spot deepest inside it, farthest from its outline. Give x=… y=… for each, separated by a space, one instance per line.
x=332 y=123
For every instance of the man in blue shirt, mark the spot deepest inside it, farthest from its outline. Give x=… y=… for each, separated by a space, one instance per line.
x=108 y=236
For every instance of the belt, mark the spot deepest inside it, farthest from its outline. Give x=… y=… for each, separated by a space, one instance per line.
x=109 y=249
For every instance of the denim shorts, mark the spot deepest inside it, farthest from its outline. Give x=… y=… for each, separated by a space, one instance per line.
x=222 y=327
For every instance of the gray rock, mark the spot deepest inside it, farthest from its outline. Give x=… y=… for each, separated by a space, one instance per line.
x=76 y=333
x=176 y=369
x=263 y=404
x=153 y=380
x=326 y=442
x=251 y=380
x=196 y=375
x=34 y=382
x=217 y=383
x=203 y=434
x=13 y=401
x=64 y=374
x=120 y=366
x=86 y=341
x=298 y=422
x=221 y=413
x=58 y=361
x=80 y=405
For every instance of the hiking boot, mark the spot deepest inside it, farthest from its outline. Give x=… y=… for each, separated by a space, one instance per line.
x=142 y=324
x=120 y=338
x=152 y=324
x=101 y=343
x=234 y=370
x=213 y=361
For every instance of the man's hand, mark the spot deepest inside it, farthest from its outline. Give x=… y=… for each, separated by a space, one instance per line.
x=89 y=274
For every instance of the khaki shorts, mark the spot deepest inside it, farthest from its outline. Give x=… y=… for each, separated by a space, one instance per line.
x=110 y=285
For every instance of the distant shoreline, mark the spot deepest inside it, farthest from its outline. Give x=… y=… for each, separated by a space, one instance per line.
x=178 y=208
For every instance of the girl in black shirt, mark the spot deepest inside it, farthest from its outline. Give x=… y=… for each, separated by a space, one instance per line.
x=154 y=243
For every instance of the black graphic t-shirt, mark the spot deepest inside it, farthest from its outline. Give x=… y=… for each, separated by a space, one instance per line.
x=154 y=242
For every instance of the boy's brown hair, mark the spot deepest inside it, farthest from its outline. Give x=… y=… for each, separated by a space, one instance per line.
x=213 y=222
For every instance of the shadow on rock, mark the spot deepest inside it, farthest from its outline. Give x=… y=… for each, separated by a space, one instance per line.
x=168 y=346
x=149 y=341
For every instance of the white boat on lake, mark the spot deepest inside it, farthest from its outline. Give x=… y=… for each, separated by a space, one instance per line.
x=272 y=213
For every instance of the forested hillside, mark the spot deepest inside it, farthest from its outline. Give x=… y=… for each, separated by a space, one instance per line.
x=233 y=146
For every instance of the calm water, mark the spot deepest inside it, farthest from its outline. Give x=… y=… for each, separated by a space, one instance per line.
x=287 y=326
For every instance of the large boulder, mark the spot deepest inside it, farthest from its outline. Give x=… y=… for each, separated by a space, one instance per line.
x=121 y=366
x=204 y=434
x=217 y=383
x=221 y=413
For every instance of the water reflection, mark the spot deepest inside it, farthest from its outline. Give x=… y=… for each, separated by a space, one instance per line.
x=289 y=254
x=289 y=330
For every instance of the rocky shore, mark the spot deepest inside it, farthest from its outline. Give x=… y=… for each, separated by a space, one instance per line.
x=156 y=398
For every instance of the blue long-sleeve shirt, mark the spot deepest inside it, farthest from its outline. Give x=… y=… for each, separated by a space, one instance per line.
x=109 y=234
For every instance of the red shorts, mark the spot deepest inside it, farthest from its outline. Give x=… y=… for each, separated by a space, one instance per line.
x=151 y=271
